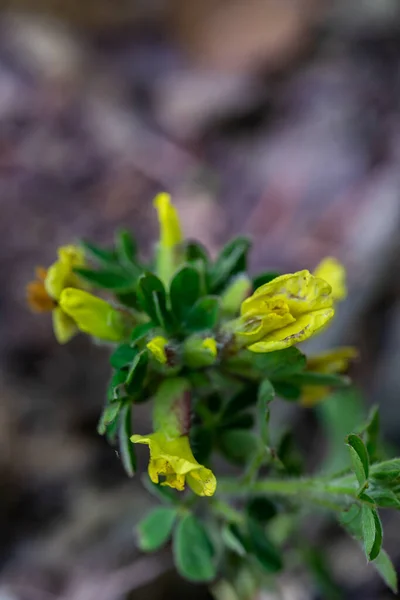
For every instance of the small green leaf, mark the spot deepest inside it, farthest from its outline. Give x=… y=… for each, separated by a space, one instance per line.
x=126 y=249
x=386 y=570
x=196 y=252
x=279 y=364
x=243 y=400
x=359 y=457
x=101 y=255
x=351 y=521
x=137 y=373
x=193 y=551
x=325 y=379
x=368 y=524
x=385 y=498
x=233 y=540
x=153 y=299
x=201 y=443
x=122 y=356
x=266 y=394
x=109 y=280
x=231 y=261
x=266 y=553
x=156 y=528
x=264 y=278
x=204 y=314
x=117 y=379
x=387 y=471
x=261 y=509
x=109 y=415
x=286 y=390
x=377 y=545
x=129 y=299
x=184 y=292
x=126 y=447
x=141 y=331
x=238 y=445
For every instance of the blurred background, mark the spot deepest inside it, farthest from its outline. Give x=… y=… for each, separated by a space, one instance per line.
x=279 y=119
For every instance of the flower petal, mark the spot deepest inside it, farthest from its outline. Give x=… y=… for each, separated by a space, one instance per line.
x=202 y=481
x=304 y=327
x=332 y=271
x=332 y=361
x=64 y=327
x=301 y=291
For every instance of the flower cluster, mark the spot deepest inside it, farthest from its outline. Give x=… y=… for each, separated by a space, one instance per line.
x=176 y=327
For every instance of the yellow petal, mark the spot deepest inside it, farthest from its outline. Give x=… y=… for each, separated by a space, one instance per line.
x=170 y=228
x=64 y=327
x=203 y=482
x=57 y=279
x=93 y=315
x=301 y=291
x=157 y=348
x=332 y=361
x=332 y=271
x=71 y=255
x=313 y=394
x=303 y=328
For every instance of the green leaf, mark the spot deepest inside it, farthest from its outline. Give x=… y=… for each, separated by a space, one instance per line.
x=386 y=570
x=137 y=373
x=184 y=292
x=326 y=379
x=126 y=447
x=359 y=458
x=156 y=528
x=266 y=394
x=126 y=249
x=385 y=498
x=193 y=551
x=340 y=414
x=204 y=314
x=266 y=553
x=238 y=445
x=231 y=260
x=387 y=471
x=109 y=415
x=101 y=255
x=129 y=299
x=264 y=278
x=196 y=252
x=261 y=509
x=286 y=390
x=279 y=364
x=201 y=443
x=153 y=299
x=240 y=421
x=241 y=401
x=141 y=331
x=289 y=454
x=122 y=356
x=377 y=545
x=368 y=524
x=351 y=521
x=117 y=379
x=233 y=540
x=109 y=280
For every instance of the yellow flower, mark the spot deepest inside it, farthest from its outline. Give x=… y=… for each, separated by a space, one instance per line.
x=174 y=460
x=170 y=228
x=93 y=315
x=43 y=295
x=168 y=258
x=284 y=312
x=157 y=348
x=332 y=271
x=330 y=362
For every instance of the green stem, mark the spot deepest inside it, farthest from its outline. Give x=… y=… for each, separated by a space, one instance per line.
x=226 y=511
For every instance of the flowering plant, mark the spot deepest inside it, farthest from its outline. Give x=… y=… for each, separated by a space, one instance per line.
x=212 y=348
